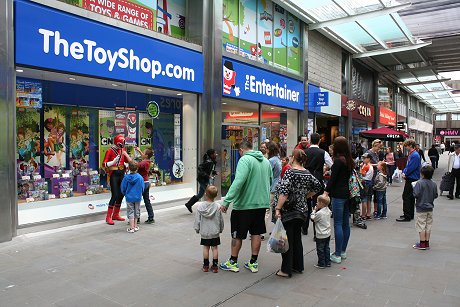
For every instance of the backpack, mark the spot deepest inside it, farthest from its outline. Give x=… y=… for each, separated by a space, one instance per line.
x=354 y=185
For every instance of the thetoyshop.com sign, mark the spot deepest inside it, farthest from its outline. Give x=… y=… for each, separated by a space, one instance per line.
x=250 y=83
x=54 y=40
x=122 y=10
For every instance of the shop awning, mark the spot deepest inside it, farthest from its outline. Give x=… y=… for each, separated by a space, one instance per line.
x=384 y=134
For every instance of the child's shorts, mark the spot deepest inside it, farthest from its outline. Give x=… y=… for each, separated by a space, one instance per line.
x=424 y=221
x=133 y=210
x=210 y=242
x=367 y=191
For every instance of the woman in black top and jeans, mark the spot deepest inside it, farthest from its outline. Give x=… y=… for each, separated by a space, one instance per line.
x=297 y=185
x=338 y=189
x=206 y=170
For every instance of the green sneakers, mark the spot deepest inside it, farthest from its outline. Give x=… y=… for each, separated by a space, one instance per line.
x=228 y=266
x=253 y=267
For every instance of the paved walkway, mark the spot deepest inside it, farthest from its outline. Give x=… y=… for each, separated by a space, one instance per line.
x=100 y=265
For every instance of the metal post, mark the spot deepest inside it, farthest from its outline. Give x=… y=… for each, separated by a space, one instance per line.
x=8 y=203
x=303 y=115
x=210 y=106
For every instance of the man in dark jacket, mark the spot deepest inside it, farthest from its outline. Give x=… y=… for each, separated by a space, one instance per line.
x=420 y=152
x=316 y=158
x=433 y=154
x=411 y=173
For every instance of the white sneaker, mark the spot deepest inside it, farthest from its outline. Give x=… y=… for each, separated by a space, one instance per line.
x=130 y=230
x=136 y=228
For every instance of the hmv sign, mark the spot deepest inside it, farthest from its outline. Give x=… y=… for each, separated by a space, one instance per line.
x=447 y=132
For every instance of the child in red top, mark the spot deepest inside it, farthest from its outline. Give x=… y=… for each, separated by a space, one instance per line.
x=285 y=165
x=144 y=170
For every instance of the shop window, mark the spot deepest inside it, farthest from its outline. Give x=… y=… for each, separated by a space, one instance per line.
x=163 y=16
x=441 y=116
x=262 y=31
x=455 y=116
x=61 y=143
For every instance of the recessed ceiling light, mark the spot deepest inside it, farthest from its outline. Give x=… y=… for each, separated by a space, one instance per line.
x=224 y=103
x=272 y=108
x=284 y=110
x=149 y=90
x=72 y=78
x=179 y=94
x=113 y=84
x=19 y=70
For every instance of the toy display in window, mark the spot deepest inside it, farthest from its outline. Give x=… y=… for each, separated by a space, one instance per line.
x=114 y=163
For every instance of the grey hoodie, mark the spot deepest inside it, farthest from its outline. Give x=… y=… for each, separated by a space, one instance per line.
x=208 y=220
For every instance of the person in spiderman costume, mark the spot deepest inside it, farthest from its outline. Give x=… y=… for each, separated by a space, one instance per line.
x=114 y=163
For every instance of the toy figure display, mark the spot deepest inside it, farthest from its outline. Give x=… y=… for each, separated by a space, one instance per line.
x=114 y=163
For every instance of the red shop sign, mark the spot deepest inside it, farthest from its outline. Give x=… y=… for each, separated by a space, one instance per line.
x=387 y=117
x=122 y=10
x=359 y=109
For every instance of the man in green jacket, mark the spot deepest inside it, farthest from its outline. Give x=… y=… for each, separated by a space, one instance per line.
x=250 y=196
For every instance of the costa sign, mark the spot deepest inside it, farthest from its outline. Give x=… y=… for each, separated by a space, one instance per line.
x=387 y=117
x=447 y=132
x=359 y=109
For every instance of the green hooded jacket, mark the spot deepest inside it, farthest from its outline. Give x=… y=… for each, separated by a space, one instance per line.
x=251 y=187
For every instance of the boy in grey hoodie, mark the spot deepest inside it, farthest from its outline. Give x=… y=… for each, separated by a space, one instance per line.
x=209 y=223
x=425 y=192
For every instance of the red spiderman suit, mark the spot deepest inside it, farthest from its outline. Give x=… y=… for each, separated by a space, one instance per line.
x=114 y=163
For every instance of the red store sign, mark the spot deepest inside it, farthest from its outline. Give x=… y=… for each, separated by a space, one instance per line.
x=387 y=117
x=359 y=109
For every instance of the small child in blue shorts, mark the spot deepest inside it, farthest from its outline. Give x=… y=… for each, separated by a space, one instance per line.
x=132 y=187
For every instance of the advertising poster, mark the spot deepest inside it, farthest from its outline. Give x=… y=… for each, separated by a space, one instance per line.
x=248 y=29
x=141 y=13
x=145 y=131
x=54 y=147
x=28 y=94
x=79 y=140
x=265 y=31
x=106 y=132
x=230 y=26
x=293 y=48
x=171 y=17
x=177 y=143
x=279 y=37
x=126 y=124
x=163 y=142
x=27 y=141
x=226 y=168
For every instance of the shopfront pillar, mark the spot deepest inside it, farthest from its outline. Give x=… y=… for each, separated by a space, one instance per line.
x=375 y=81
x=349 y=127
x=210 y=106
x=303 y=115
x=8 y=204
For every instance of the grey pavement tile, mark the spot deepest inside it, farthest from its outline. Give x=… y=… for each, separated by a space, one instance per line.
x=255 y=301
x=397 y=293
x=453 y=289
x=20 y=296
x=86 y=298
x=27 y=276
x=51 y=291
x=430 y=298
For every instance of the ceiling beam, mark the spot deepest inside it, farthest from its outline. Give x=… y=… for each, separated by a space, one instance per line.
x=409 y=70
x=353 y=18
x=432 y=92
x=424 y=82
x=404 y=30
x=391 y=50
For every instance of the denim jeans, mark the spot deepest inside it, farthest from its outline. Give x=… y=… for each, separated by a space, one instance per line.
x=201 y=190
x=323 y=251
x=382 y=203
x=147 y=203
x=341 y=214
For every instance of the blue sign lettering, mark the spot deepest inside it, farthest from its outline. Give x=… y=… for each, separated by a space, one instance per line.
x=250 y=83
x=50 y=39
x=322 y=99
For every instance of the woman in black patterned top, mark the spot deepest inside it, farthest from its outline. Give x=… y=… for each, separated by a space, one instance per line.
x=290 y=204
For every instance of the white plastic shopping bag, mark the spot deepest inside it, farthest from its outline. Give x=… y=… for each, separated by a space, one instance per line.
x=397 y=176
x=278 y=241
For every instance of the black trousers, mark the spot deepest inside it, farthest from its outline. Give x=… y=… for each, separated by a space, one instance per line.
x=408 y=200
x=434 y=162
x=147 y=203
x=323 y=251
x=456 y=175
x=115 y=187
x=293 y=258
